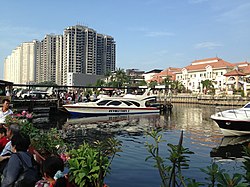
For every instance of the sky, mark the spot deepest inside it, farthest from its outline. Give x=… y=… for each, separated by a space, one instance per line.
x=149 y=34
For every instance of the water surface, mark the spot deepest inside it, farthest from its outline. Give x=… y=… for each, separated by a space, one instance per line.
x=201 y=135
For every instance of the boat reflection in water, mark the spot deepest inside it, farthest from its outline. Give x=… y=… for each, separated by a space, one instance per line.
x=231 y=147
x=101 y=127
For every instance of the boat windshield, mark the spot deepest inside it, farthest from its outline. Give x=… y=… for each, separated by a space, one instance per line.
x=115 y=103
x=135 y=103
x=247 y=105
x=103 y=102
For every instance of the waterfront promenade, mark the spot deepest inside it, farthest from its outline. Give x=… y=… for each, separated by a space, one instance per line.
x=228 y=100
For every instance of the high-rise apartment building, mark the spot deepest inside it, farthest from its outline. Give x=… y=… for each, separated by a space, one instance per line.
x=105 y=54
x=20 y=66
x=80 y=50
x=50 y=60
x=87 y=52
x=59 y=59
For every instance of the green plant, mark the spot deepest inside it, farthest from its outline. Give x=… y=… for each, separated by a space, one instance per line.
x=171 y=175
x=213 y=173
x=224 y=179
x=45 y=142
x=48 y=142
x=88 y=165
x=246 y=163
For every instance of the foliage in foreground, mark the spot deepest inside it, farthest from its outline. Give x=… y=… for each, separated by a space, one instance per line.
x=170 y=172
x=46 y=142
x=88 y=165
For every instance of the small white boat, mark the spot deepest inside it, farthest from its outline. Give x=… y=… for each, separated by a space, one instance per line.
x=234 y=122
x=139 y=104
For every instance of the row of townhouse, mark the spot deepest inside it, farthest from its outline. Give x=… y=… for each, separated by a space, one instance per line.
x=224 y=75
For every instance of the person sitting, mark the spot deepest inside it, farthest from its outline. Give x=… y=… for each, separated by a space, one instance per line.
x=10 y=132
x=7 y=151
x=3 y=138
x=5 y=110
x=20 y=157
x=52 y=169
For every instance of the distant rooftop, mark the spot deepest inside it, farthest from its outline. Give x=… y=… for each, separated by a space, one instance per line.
x=154 y=71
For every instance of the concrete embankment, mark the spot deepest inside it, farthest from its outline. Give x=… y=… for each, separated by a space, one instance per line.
x=208 y=100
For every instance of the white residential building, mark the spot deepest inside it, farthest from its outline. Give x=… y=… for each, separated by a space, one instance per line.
x=20 y=66
x=150 y=74
x=49 y=65
x=200 y=70
x=87 y=52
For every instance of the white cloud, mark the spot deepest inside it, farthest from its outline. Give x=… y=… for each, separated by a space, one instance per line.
x=157 y=34
x=207 y=45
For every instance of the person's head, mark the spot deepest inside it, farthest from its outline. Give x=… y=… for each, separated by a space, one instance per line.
x=20 y=142
x=50 y=167
x=6 y=104
x=2 y=132
x=12 y=130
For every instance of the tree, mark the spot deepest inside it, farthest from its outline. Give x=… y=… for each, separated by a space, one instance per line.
x=100 y=83
x=121 y=77
x=152 y=84
x=167 y=81
x=177 y=86
x=207 y=85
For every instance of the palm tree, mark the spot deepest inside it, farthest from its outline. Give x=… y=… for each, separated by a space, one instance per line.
x=178 y=86
x=100 y=83
x=167 y=81
x=207 y=85
x=152 y=84
x=120 y=77
x=107 y=76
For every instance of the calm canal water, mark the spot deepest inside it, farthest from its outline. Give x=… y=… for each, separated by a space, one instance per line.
x=201 y=135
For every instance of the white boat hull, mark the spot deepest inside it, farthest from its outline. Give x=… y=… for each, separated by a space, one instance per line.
x=87 y=111
x=232 y=126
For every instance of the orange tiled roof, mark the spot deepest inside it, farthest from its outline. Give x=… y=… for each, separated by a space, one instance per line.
x=213 y=62
x=234 y=73
x=169 y=72
x=242 y=63
x=207 y=59
x=244 y=67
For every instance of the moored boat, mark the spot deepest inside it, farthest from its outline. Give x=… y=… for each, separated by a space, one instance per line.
x=234 y=122
x=114 y=106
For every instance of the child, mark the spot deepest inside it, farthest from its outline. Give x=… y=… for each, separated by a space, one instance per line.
x=3 y=139
x=52 y=169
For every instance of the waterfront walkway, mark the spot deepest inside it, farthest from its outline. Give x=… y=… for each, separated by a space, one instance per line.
x=229 y=100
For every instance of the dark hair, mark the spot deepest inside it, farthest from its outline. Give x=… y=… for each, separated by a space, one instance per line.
x=15 y=128
x=3 y=101
x=3 y=131
x=50 y=166
x=20 y=141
